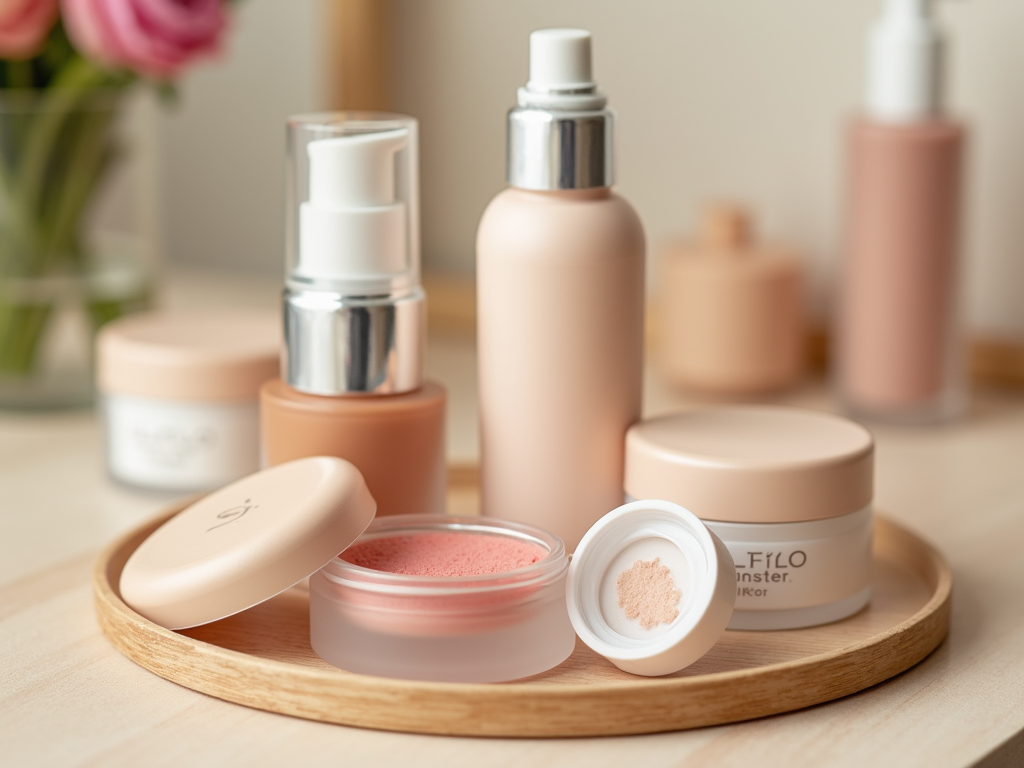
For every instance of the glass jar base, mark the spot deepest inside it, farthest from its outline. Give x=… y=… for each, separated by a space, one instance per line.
x=47 y=393
x=943 y=407
x=492 y=655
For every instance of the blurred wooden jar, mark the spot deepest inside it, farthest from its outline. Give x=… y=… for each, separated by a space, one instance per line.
x=731 y=309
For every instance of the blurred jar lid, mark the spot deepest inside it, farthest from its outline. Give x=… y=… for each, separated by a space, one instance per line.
x=193 y=356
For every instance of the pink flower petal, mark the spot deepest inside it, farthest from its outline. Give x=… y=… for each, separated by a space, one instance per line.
x=24 y=25
x=155 y=37
x=196 y=20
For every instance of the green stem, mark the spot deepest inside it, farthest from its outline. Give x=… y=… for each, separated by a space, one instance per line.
x=89 y=154
x=21 y=326
x=19 y=74
x=69 y=88
x=56 y=164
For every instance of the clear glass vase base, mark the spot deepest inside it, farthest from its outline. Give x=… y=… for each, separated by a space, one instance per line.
x=47 y=334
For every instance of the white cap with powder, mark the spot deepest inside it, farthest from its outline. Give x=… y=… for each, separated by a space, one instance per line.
x=650 y=588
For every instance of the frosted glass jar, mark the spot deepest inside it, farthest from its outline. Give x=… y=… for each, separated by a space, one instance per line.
x=480 y=629
x=788 y=491
x=180 y=396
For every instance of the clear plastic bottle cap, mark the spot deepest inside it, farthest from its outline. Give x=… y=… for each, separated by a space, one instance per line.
x=353 y=212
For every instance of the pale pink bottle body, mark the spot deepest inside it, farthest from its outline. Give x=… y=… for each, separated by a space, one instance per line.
x=899 y=355
x=560 y=282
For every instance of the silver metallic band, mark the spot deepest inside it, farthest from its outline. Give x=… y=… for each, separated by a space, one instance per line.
x=344 y=345
x=560 y=149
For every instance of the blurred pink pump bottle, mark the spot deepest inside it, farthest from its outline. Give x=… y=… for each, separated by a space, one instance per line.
x=560 y=285
x=899 y=357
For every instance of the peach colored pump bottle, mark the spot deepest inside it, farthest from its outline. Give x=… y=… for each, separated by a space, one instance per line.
x=898 y=354
x=560 y=281
x=352 y=374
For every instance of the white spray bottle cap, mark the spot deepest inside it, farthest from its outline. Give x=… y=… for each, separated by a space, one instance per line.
x=561 y=71
x=353 y=229
x=905 y=63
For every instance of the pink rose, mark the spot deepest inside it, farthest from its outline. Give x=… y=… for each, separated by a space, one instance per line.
x=24 y=25
x=154 y=37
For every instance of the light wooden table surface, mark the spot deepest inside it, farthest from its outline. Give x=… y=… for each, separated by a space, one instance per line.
x=67 y=698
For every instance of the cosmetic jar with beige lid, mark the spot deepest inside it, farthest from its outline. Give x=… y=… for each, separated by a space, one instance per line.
x=180 y=396
x=425 y=597
x=788 y=491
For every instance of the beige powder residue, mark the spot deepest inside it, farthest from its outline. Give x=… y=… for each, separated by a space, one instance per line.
x=648 y=593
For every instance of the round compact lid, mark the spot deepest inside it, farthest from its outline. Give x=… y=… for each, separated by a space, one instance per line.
x=650 y=588
x=753 y=464
x=247 y=542
x=195 y=356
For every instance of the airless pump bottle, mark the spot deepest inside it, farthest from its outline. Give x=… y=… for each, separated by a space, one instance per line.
x=898 y=354
x=352 y=371
x=560 y=282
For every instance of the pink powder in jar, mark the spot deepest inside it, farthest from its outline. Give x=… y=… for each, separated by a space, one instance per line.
x=444 y=554
x=441 y=581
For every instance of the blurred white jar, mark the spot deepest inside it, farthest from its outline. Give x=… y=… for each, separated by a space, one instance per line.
x=180 y=396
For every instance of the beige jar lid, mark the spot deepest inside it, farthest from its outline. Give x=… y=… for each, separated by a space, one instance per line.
x=193 y=356
x=752 y=464
x=247 y=542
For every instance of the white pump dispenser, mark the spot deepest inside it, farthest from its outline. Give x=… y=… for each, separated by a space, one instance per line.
x=352 y=229
x=905 y=63
x=561 y=134
x=353 y=305
x=560 y=71
x=354 y=317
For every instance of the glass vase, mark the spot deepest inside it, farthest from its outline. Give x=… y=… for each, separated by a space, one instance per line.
x=77 y=245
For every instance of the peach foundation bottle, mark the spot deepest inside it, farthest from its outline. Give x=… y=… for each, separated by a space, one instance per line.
x=898 y=355
x=352 y=370
x=560 y=285
x=731 y=309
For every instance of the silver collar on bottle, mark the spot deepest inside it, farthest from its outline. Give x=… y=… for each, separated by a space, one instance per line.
x=550 y=149
x=350 y=345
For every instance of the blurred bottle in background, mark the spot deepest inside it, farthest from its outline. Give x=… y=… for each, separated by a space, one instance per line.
x=898 y=355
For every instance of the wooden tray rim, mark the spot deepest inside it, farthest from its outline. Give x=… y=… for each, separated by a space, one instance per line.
x=930 y=624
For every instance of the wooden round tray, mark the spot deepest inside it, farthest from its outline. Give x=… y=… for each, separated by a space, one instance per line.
x=261 y=658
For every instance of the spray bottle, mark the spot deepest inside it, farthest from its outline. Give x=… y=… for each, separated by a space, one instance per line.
x=560 y=285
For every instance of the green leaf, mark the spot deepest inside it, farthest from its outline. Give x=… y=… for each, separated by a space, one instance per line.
x=167 y=92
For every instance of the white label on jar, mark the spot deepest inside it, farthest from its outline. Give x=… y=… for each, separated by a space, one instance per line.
x=179 y=445
x=831 y=561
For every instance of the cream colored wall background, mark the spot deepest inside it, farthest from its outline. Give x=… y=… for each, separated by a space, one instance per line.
x=737 y=98
x=222 y=145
